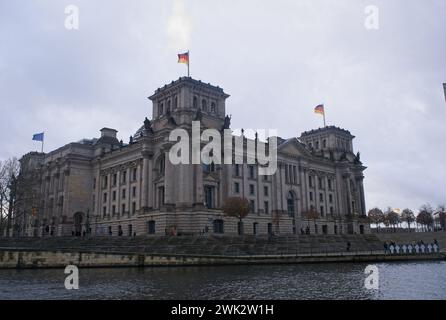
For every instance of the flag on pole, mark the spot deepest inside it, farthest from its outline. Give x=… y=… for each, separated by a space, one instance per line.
x=184 y=58
x=39 y=136
x=319 y=109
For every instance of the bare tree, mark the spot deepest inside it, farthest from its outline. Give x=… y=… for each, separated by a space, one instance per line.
x=238 y=208
x=392 y=218
x=313 y=215
x=425 y=217
x=408 y=216
x=9 y=170
x=376 y=216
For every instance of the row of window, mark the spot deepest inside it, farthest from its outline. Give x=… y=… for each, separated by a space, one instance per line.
x=320 y=182
x=204 y=105
x=123 y=178
x=321 y=197
x=168 y=106
x=316 y=144
x=290 y=174
x=252 y=189
x=251 y=172
x=115 y=193
x=115 y=212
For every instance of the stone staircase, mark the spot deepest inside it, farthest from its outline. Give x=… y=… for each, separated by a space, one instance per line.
x=204 y=245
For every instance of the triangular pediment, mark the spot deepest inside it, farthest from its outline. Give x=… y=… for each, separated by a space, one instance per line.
x=293 y=147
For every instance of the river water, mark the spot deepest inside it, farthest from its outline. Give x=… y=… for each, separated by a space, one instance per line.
x=413 y=280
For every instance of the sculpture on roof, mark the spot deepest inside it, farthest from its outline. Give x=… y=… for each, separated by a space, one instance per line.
x=227 y=123
x=147 y=125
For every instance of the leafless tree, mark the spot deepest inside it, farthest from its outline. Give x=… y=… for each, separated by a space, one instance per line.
x=376 y=217
x=238 y=208
x=408 y=216
x=9 y=170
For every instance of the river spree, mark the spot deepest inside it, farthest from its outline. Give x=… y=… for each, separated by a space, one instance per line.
x=414 y=280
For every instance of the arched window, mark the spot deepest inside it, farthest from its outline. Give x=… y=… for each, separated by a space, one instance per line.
x=168 y=106
x=204 y=105
x=161 y=109
x=195 y=103
x=290 y=199
x=213 y=107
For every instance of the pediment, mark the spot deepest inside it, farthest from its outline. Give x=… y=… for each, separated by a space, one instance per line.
x=293 y=147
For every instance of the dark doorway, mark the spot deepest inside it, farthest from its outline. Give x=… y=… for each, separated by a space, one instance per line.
x=78 y=220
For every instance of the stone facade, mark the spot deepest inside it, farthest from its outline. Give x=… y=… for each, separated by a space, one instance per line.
x=104 y=187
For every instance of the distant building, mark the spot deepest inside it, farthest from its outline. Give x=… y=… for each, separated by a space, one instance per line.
x=107 y=188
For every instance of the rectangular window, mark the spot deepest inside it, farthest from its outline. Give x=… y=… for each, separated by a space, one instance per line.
x=322 y=211
x=124 y=191
x=209 y=197
x=329 y=184
x=251 y=189
x=237 y=170
x=236 y=187
x=134 y=192
x=105 y=197
x=114 y=196
x=134 y=172
x=320 y=183
x=330 y=198
x=252 y=206
x=321 y=197
x=265 y=191
x=251 y=172
x=310 y=181
x=294 y=174
x=113 y=210
x=115 y=179
x=94 y=183
x=104 y=182
x=124 y=177
x=133 y=207
x=161 y=196
x=311 y=196
x=104 y=211
x=123 y=208
x=151 y=227
x=266 y=205
x=331 y=210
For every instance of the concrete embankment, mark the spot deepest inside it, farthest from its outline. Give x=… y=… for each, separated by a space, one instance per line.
x=25 y=258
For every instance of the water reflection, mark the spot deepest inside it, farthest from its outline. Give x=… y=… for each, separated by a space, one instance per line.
x=423 y=280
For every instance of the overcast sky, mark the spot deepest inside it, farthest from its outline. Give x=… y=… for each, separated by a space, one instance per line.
x=277 y=60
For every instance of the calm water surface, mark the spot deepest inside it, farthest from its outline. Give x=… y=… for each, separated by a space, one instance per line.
x=415 y=280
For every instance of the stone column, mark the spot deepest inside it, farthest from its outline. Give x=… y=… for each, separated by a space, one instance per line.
x=145 y=181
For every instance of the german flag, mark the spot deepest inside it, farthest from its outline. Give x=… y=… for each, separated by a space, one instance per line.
x=183 y=58
x=319 y=109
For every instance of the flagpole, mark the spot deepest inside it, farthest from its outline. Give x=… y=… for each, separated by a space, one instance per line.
x=324 y=116
x=188 y=62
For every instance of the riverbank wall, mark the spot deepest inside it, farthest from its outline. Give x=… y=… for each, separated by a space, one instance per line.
x=31 y=259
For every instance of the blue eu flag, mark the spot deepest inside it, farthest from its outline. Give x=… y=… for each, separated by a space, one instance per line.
x=38 y=136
